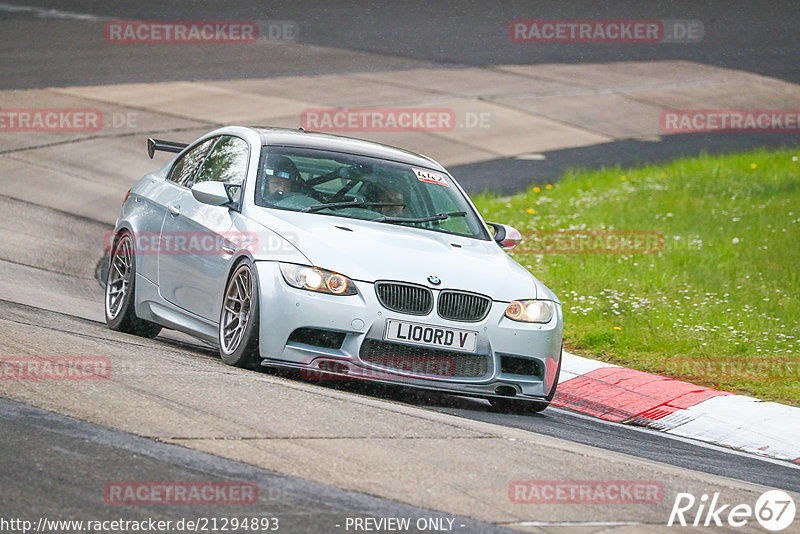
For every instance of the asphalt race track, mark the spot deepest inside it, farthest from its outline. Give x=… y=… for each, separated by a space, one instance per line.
x=62 y=464
x=737 y=34
x=347 y=36
x=318 y=453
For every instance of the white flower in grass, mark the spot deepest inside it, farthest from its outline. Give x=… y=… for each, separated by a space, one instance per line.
x=735 y=240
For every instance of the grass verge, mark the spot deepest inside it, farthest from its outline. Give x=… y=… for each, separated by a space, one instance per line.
x=688 y=269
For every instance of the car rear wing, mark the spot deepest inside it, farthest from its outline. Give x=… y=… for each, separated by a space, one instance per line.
x=166 y=146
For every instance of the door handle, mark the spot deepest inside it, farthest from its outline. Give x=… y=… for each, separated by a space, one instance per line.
x=174 y=210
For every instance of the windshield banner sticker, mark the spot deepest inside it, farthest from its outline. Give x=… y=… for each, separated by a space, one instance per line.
x=430 y=177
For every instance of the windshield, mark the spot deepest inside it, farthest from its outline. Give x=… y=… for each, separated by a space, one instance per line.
x=361 y=187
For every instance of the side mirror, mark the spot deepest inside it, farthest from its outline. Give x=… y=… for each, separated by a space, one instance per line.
x=506 y=236
x=212 y=193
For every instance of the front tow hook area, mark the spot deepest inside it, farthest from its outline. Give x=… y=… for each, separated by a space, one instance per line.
x=505 y=391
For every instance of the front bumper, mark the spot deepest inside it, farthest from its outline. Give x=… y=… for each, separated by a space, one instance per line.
x=351 y=320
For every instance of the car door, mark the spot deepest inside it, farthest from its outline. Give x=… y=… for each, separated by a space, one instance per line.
x=198 y=240
x=153 y=204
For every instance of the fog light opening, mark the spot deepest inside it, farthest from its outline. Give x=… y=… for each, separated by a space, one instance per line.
x=505 y=391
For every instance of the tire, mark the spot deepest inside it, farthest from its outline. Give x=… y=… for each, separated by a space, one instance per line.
x=120 y=292
x=511 y=405
x=238 y=320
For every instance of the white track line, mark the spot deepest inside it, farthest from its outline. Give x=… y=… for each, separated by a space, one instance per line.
x=690 y=441
x=43 y=13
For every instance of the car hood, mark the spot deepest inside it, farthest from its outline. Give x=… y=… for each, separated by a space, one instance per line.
x=368 y=251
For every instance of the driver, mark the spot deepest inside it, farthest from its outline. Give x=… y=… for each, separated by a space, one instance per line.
x=281 y=176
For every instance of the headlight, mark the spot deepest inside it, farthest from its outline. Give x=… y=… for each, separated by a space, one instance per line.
x=316 y=279
x=531 y=311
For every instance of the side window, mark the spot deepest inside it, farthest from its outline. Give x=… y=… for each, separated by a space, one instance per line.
x=226 y=163
x=184 y=168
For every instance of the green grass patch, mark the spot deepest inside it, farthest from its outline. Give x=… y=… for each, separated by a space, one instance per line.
x=715 y=303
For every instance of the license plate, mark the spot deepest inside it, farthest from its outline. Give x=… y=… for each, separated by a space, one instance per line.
x=431 y=336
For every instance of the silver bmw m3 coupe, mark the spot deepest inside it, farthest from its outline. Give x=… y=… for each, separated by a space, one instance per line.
x=338 y=257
